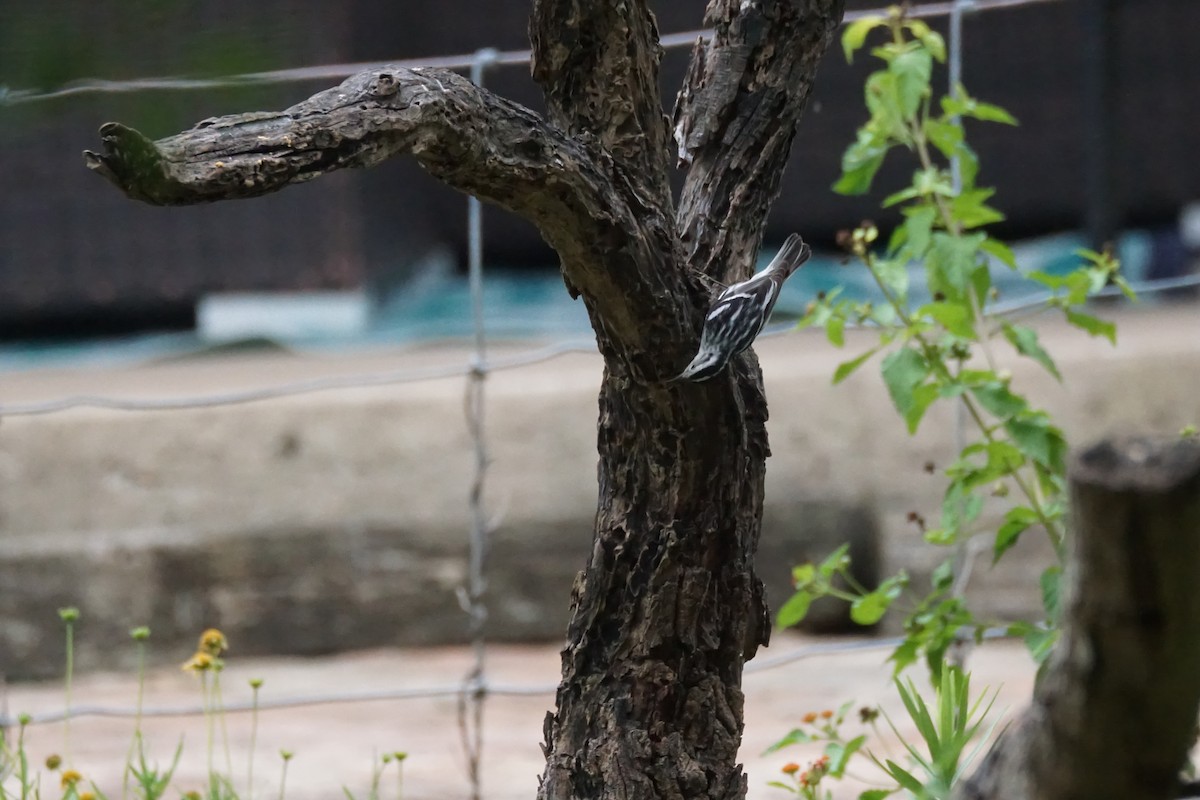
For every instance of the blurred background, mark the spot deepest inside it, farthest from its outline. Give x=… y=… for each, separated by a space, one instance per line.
x=133 y=337
x=1102 y=90
x=249 y=415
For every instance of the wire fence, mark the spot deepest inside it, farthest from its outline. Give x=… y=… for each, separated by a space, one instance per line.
x=1026 y=305
x=474 y=689
x=481 y=688
x=462 y=62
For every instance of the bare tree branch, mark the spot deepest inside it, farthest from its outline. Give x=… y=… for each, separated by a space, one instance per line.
x=735 y=118
x=597 y=63
x=1114 y=711
x=615 y=254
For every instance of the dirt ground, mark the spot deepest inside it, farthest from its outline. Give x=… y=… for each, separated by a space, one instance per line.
x=334 y=744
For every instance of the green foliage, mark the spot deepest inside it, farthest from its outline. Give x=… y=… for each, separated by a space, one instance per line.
x=1008 y=480
x=143 y=778
x=947 y=726
x=832 y=578
x=1011 y=474
x=946 y=729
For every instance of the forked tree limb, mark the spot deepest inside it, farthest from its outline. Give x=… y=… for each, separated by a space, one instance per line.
x=669 y=607
x=597 y=64
x=1114 y=711
x=735 y=119
x=612 y=251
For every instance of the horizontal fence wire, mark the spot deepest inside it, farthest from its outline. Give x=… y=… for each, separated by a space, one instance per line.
x=455 y=62
x=1017 y=307
x=488 y=688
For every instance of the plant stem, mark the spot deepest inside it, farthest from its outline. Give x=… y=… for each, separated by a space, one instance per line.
x=209 y=731
x=69 y=680
x=219 y=708
x=283 y=778
x=253 y=741
x=135 y=743
x=929 y=351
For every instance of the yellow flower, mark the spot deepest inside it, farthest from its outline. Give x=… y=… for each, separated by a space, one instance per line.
x=87 y=796
x=199 y=662
x=70 y=777
x=809 y=718
x=192 y=795
x=213 y=642
x=790 y=768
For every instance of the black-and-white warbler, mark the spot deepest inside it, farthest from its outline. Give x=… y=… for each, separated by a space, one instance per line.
x=738 y=314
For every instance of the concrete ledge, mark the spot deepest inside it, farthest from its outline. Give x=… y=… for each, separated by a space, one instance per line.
x=337 y=520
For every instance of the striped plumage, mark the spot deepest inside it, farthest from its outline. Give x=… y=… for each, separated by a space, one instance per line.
x=738 y=314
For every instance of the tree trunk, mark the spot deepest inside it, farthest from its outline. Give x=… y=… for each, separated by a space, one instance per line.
x=1114 y=711
x=669 y=608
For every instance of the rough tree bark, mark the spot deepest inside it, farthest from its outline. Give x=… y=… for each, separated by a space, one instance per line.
x=1114 y=712
x=668 y=608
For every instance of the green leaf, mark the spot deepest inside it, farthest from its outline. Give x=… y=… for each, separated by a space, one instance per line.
x=918 y=712
x=836 y=561
x=794 y=736
x=912 y=69
x=882 y=94
x=899 y=197
x=1040 y=440
x=846 y=368
x=968 y=165
x=1051 y=583
x=1003 y=458
x=942 y=576
x=951 y=262
x=861 y=161
x=876 y=794
x=1048 y=280
x=991 y=113
x=971 y=210
x=803 y=574
x=981 y=280
x=999 y=401
x=931 y=39
x=1016 y=522
x=835 y=331
x=892 y=273
x=956 y=318
x=1093 y=325
x=1000 y=251
x=905 y=655
x=962 y=104
x=1040 y=642
x=905 y=778
x=922 y=397
x=919 y=225
x=933 y=181
x=855 y=35
x=903 y=371
x=960 y=507
x=1025 y=341
x=840 y=754
x=945 y=136
x=869 y=609
x=794 y=610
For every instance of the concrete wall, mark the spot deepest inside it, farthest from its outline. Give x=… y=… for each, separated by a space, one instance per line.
x=338 y=520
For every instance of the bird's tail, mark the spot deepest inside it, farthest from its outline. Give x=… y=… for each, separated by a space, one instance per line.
x=791 y=256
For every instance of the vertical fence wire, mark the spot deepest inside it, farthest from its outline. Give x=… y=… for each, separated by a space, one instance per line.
x=964 y=555
x=474 y=695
